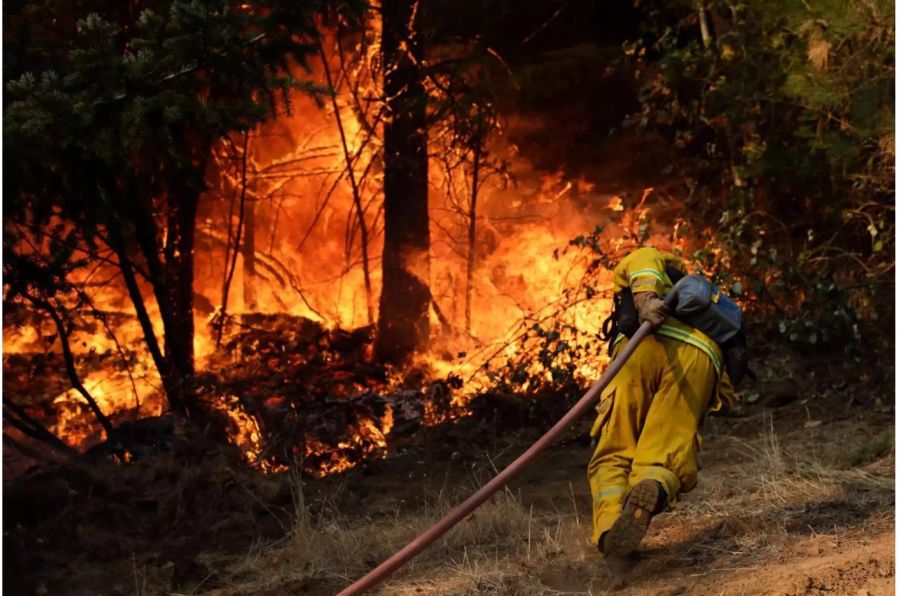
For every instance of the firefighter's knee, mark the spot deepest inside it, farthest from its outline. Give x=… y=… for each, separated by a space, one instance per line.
x=669 y=480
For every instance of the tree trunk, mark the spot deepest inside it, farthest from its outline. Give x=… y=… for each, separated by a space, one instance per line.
x=248 y=256
x=470 y=260
x=405 y=296
x=174 y=395
x=179 y=324
x=232 y=254
x=170 y=266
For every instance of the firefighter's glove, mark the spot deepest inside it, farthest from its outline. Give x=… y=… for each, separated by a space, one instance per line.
x=650 y=308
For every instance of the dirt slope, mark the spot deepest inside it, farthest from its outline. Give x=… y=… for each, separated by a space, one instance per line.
x=795 y=497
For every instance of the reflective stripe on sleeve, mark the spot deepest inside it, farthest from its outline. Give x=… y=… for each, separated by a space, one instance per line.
x=647 y=273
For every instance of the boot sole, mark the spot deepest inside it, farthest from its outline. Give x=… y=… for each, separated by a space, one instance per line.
x=629 y=529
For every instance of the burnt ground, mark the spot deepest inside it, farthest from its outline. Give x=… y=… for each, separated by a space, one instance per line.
x=796 y=496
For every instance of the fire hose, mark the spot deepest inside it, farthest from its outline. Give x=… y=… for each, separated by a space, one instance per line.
x=461 y=511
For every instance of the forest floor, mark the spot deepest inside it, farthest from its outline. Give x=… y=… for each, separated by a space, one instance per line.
x=793 y=499
x=796 y=496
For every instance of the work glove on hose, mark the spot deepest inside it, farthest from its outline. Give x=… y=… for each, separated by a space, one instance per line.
x=650 y=308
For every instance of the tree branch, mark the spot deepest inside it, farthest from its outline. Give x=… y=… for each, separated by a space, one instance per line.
x=69 y=360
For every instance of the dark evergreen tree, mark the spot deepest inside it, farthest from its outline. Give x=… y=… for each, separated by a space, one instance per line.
x=112 y=110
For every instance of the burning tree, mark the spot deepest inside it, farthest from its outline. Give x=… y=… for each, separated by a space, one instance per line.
x=113 y=117
x=148 y=158
x=405 y=295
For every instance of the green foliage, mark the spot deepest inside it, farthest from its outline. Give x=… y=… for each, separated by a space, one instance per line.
x=44 y=276
x=112 y=111
x=144 y=92
x=784 y=131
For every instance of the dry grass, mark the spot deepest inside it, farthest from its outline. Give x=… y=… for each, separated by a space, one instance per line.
x=772 y=495
x=754 y=504
x=484 y=554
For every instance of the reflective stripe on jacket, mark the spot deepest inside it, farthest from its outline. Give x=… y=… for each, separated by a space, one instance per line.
x=644 y=271
x=675 y=329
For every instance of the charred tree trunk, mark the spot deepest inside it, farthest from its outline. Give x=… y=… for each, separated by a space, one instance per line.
x=169 y=258
x=405 y=296
x=142 y=229
x=179 y=324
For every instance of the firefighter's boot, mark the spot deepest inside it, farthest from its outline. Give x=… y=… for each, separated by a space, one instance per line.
x=646 y=499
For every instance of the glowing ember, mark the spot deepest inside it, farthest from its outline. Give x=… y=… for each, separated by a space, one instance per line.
x=367 y=441
x=243 y=430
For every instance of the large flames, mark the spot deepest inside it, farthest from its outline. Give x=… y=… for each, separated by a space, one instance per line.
x=307 y=227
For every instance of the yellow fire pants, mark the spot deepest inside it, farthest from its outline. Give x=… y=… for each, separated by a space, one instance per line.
x=647 y=425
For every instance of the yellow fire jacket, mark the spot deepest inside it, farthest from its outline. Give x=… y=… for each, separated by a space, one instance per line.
x=644 y=270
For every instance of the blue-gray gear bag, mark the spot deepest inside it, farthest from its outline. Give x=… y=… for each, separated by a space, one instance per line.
x=705 y=307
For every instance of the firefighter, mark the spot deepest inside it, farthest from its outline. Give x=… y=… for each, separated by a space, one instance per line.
x=646 y=430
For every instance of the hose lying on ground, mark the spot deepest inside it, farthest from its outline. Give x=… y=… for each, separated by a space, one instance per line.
x=392 y=563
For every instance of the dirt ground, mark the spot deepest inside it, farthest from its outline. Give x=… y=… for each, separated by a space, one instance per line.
x=796 y=496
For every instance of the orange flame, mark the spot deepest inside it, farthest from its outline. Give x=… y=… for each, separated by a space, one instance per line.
x=308 y=263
